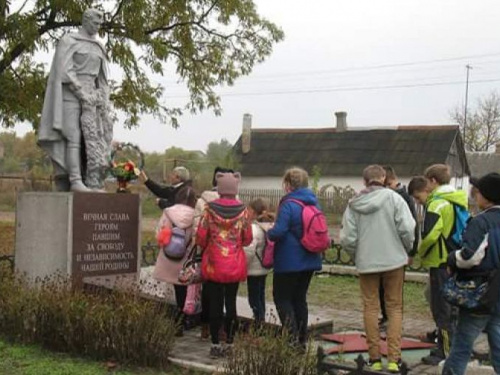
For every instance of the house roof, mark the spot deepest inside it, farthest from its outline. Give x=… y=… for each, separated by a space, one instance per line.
x=409 y=149
x=481 y=163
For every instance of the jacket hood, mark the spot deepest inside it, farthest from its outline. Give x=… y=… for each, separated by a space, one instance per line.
x=209 y=195
x=228 y=210
x=401 y=189
x=449 y=193
x=305 y=195
x=180 y=215
x=264 y=226
x=370 y=199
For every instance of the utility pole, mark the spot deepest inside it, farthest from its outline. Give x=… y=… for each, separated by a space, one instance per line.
x=468 y=67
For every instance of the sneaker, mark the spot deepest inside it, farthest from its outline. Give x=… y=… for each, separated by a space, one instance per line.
x=394 y=367
x=216 y=351
x=430 y=337
x=432 y=360
x=375 y=364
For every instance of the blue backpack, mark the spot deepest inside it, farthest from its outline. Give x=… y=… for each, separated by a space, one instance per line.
x=462 y=216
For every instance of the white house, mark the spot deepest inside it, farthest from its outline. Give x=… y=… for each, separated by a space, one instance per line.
x=341 y=153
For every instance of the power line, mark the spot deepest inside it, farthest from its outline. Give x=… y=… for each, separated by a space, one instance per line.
x=355 y=69
x=344 y=89
x=385 y=66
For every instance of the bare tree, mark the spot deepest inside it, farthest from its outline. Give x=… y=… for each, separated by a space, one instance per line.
x=483 y=123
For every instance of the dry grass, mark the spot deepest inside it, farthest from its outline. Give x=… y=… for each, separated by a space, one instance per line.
x=7 y=238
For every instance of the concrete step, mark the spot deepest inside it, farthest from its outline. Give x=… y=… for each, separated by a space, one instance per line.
x=161 y=290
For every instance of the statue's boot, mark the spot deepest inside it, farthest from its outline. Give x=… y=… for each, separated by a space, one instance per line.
x=61 y=178
x=61 y=182
x=73 y=161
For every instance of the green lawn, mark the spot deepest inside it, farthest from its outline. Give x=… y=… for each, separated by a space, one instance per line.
x=342 y=292
x=31 y=360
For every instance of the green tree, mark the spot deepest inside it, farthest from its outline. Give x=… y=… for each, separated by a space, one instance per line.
x=192 y=160
x=209 y=42
x=221 y=153
x=483 y=123
x=316 y=176
x=23 y=155
x=154 y=165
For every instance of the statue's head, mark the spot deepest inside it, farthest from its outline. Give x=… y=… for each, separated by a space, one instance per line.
x=92 y=20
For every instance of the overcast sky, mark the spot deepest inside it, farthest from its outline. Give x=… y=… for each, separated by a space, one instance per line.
x=353 y=56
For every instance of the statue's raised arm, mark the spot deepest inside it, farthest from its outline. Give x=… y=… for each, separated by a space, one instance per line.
x=76 y=127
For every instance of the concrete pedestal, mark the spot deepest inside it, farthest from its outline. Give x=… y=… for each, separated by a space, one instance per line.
x=83 y=235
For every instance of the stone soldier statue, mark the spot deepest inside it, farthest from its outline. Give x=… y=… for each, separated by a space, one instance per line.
x=76 y=124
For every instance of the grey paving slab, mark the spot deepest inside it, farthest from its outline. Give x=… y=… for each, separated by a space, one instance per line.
x=191 y=351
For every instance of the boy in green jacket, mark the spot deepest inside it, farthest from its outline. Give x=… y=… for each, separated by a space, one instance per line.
x=438 y=226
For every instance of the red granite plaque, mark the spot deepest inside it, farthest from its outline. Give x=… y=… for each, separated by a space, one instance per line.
x=105 y=234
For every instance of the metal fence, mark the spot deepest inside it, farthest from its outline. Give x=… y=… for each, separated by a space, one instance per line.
x=335 y=255
x=333 y=201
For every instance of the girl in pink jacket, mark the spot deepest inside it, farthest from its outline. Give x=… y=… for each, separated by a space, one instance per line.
x=223 y=231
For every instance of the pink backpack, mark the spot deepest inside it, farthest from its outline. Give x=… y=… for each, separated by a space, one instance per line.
x=315 y=236
x=267 y=258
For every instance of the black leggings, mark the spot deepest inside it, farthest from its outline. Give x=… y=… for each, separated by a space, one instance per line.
x=205 y=304
x=290 y=298
x=180 y=300
x=222 y=295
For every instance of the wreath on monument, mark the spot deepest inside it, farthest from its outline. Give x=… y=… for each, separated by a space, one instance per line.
x=127 y=160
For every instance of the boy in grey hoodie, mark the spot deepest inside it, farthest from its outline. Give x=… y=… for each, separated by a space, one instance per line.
x=378 y=231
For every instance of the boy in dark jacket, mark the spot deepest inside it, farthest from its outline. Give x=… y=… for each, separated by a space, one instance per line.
x=434 y=247
x=479 y=255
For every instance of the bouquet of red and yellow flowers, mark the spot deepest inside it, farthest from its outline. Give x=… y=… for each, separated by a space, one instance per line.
x=121 y=166
x=125 y=171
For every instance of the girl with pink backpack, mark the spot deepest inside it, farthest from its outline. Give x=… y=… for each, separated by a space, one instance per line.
x=262 y=221
x=294 y=263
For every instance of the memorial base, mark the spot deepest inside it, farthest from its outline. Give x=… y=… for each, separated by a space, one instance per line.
x=87 y=236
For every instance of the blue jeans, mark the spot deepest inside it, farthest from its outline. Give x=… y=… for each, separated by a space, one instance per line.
x=257 y=297
x=468 y=329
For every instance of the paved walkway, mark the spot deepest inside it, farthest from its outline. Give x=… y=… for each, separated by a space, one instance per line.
x=191 y=351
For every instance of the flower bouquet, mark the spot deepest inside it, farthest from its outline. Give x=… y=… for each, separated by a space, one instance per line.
x=122 y=167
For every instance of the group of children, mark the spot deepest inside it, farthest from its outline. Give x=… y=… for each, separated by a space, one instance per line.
x=447 y=248
x=380 y=231
x=382 y=234
x=231 y=238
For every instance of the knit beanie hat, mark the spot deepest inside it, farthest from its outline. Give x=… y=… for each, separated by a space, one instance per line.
x=489 y=187
x=228 y=183
x=217 y=170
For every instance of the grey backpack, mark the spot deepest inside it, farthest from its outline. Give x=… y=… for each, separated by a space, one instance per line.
x=177 y=247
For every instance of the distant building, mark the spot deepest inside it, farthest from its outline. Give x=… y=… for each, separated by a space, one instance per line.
x=341 y=153
x=481 y=163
